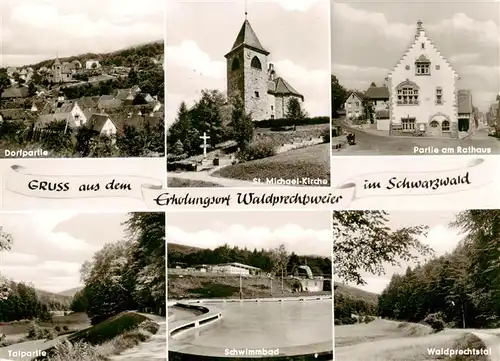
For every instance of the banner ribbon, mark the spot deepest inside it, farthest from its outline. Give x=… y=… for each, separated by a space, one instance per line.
x=472 y=175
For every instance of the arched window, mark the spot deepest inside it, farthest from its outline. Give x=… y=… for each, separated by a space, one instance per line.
x=407 y=93
x=256 y=63
x=434 y=124
x=235 y=64
x=445 y=126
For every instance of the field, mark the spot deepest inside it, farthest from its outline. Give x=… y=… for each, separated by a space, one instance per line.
x=383 y=340
x=216 y=286
x=310 y=162
x=18 y=330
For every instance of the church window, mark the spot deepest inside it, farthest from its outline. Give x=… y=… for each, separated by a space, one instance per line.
x=423 y=45
x=407 y=67
x=272 y=116
x=434 y=124
x=445 y=126
x=255 y=63
x=272 y=107
x=257 y=94
x=235 y=64
x=439 y=95
x=407 y=93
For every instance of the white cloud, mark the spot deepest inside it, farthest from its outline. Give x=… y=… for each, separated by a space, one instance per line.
x=465 y=58
x=189 y=55
x=297 y=5
x=127 y=9
x=40 y=16
x=300 y=240
x=314 y=84
x=17 y=258
x=483 y=32
x=395 y=31
x=442 y=239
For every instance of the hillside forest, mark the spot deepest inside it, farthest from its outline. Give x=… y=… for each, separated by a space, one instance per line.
x=270 y=260
x=462 y=288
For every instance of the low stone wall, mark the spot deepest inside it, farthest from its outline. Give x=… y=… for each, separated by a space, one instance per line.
x=247 y=300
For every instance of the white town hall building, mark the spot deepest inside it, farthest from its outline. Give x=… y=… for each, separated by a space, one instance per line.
x=423 y=92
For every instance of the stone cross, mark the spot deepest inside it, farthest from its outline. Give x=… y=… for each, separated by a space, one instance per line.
x=205 y=137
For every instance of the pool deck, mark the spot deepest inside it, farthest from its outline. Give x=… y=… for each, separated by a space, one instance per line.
x=211 y=314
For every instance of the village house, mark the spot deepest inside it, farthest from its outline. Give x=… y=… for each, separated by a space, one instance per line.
x=423 y=91
x=251 y=77
x=102 y=124
x=465 y=110
x=68 y=111
x=378 y=97
x=92 y=64
x=108 y=102
x=354 y=106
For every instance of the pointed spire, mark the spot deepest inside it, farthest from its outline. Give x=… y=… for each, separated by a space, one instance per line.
x=247 y=38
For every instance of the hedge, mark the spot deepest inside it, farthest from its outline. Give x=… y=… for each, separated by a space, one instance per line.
x=283 y=122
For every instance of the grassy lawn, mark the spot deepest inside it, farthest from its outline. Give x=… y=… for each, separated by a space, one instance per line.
x=188 y=286
x=108 y=329
x=74 y=321
x=174 y=182
x=311 y=162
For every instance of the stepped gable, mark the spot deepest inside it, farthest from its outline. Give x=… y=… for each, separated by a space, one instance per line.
x=421 y=31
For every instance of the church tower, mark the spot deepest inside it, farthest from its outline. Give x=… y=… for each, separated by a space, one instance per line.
x=247 y=74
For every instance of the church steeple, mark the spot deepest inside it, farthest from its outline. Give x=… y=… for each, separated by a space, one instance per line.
x=247 y=38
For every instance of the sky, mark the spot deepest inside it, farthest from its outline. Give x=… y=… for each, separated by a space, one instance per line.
x=305 y=233
x=296 y=32
x=35 y=30
x=440 y=237
x=466 y=33
x=50 y=247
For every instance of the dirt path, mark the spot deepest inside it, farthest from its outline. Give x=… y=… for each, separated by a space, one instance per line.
x=153 y=349
x=206 y=176
x=491 y=342
x=395 y=349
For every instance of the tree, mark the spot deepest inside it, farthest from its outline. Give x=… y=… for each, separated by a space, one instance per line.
x=339 y=94
x=139 y=99
x=364 y=242
x=280 y=257
x=241 y=123
x=208 y=116
x=294 y=111
x=31 y=89
x=4 y=82
x=180 y=130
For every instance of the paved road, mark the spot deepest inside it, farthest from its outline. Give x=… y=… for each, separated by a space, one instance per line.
x=371 y=144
